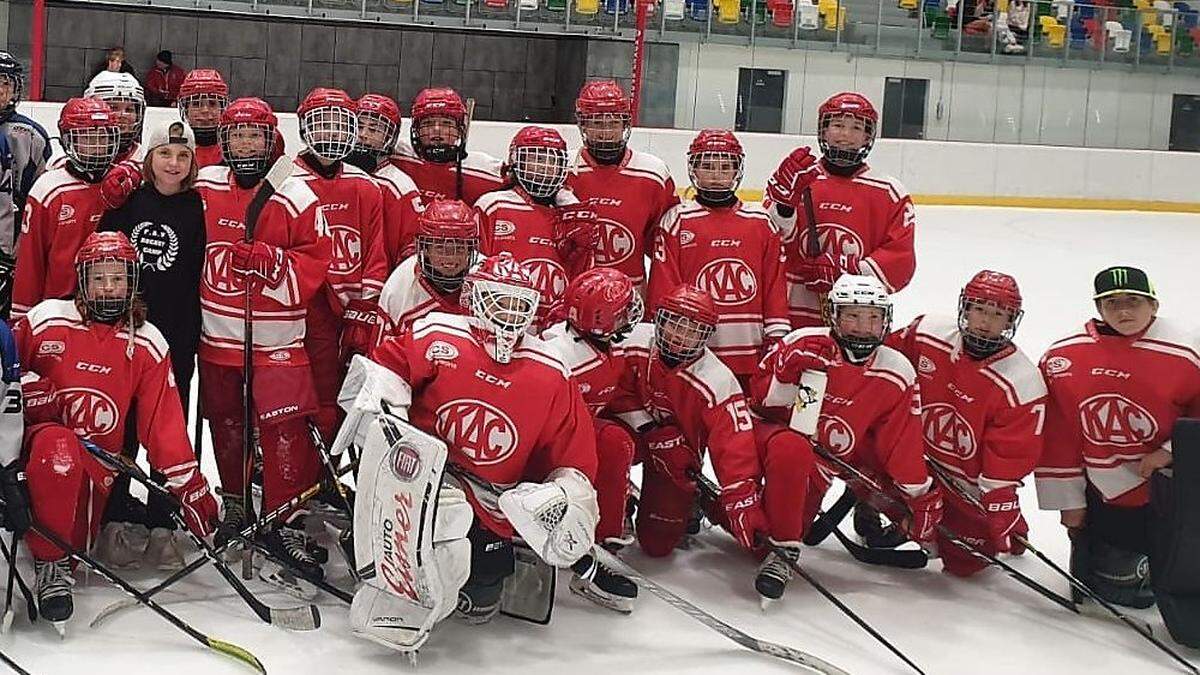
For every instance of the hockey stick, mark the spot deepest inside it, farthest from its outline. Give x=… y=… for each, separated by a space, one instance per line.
x=220 y=646
x=709 y=492
x=1075 y=583
x=196 y=564
x=319 y=583
x=462 y=151
x=292 y=618
x=13 y=665
x=949 y=534
x=827 y=524
x=10 y=556
x=345 y=539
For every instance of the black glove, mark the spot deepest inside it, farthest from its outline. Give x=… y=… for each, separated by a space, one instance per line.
x=15 y=493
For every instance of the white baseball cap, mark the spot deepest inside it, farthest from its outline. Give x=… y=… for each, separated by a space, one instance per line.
x=171 y=133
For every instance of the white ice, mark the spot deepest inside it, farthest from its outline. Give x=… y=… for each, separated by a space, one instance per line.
x=988 y=624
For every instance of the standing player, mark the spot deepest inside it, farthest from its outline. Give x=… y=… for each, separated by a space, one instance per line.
x=629 y=190
x=437 y=159
x=1116 y=389
x=282 y=268
x=343 y=318
x=378 y=128
x=983 y=403
x=202 y=98
x=536 y=220
x=93 y=360
x=727 y=249
x=65 y=204
x=125 y=97
x=870 y=418
x=864 y=221
x=432 y=280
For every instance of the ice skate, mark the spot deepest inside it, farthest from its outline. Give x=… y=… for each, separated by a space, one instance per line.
x=603 y=586
x=54 y=582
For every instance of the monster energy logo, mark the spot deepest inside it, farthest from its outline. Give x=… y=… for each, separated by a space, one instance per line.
x=1120 y=276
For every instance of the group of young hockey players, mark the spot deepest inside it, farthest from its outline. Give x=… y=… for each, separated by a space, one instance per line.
x=484 y=348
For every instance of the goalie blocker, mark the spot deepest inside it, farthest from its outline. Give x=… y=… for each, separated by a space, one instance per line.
x=1175 y=543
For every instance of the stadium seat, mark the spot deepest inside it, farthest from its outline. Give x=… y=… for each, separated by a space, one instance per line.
x=1056 y=35
x=941 y=27
x=908 y=4
x=728 y=11
x=1184 y=44
x=527 y=5
x=587 y=7
x=827 y=6
x=1165 y=13
x=1119 y=35
x=809 y=15
x=783 y=16
x=406 y=3
x=673 y=9
x=835 y=21
x=1062 y=9
x=613 y=6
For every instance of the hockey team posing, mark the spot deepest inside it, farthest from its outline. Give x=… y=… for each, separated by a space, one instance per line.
x=465 y=336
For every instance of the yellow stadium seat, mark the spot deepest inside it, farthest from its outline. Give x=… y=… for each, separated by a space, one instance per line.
x=1143 y=4
x=839 y=22
x=728 y=11
x=1002 y=6
x=827 y=6
x=1056 y=35
x=908 y=4
x=401 y=2
x=1162 y=43
x=1047 y=21
x=588 y=7
x=1149 y=18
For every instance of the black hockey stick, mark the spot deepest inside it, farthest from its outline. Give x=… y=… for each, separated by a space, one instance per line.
x=247 y=533
x=10 y=556
x=292 y=618
x=710 y=493
x=827 y=524
x=220 y=646
x=321 y=584
x=1075 y=583
x=13 y=665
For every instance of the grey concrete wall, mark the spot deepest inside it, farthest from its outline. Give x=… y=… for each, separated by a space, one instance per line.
x=611 y=58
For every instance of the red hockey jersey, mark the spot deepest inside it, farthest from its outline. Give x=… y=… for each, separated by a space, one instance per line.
x=629 y=198
x=1113 y=400
x=866 y=215
x=703 y=398
x=401 y=207
x=596 y=372
x=353 y=208
x=480 y=174
x=484 y=411
x=208 y=155
x=871 y=416
x=101 y=373
x=735 y=255
x=291 y=220
x=407 y=296
x=981 y=419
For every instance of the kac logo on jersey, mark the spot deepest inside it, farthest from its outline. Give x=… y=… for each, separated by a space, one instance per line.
x=440 y=351
x=616 y=243
x=157 y=245
x=346 y=253
x=839 y=240
x=89 y=412
x=729 y=281
x=1056 y=365
x=548 y=277
x=480 y=430
x=218 y=270
x=1112 y=419
x=946 y=431
x=835 y=434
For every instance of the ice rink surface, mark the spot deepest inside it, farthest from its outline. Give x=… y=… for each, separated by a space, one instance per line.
x=988 y=624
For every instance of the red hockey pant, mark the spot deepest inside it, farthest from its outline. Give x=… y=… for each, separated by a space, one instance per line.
x=322 y=341
x=968 y=522
x=68 y=489
x=614 y=450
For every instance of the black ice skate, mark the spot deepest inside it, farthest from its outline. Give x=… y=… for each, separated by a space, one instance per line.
x=869 y=525
x=233 y=521
x=54 y=583
x=774 y=574
x=298 y=557
x=603 y=586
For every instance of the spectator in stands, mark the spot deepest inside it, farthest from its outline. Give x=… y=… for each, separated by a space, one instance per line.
x=163 y=80
x=1018 y=27
x=114 y=61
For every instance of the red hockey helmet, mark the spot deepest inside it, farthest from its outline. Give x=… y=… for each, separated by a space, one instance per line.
x=503 y=301
x=328 y=123
x=107 y=268
x=439 y=125
x=685 y=320
x=847 y=151
x=537 y=158
x=203 y=96
x=603 y=114
x=447 y=242
x=603 y=303
x=203 y=81
x=90 y=134
x=986 y=331
x=378 y=124
x=247 y=135
x=715 y=164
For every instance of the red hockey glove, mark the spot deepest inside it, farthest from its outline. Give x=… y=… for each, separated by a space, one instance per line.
x=196 y=501
x=262 y=260
x=577 y=232
x=742 y=504
x=926 y=514
x=41 y=400
x=1003 y=512
x=812 y=352
x=361 y=328
x=670 y=454
x=818 y=274
x=797 y=171
x=119 y=183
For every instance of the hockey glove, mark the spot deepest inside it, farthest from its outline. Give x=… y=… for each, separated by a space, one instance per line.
x=797 y=171
x=812 y=352
x=818 y=274
x=361 y=328
x=15 y=492
x=926 y=514
x=670 y=455
x=576 y=236
x=557 y=518
x=196 y=501
x=742 y=504
x=1003 y=512
x=41 y=399
x=260 y=259
x=119 y=183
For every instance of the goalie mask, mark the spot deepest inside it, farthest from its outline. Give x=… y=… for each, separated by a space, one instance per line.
x=685 y=320
x=125 y=97
x=90 y=135
x=447 y=243
x=603 y=114
x=859 y=312
x=328 y=123
x=439 y=125
x=107 y=268
x=247 y=135
x=603 y=304
x=203 y=96
x=846 y=125
x=715 y=164
x=537 y=158
x=12 y=84
x=503 y=302
x=989 y=311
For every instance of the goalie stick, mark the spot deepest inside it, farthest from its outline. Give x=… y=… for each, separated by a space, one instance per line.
x=292 y=618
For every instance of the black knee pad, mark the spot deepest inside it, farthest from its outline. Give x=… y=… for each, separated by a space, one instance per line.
x=1119 y=576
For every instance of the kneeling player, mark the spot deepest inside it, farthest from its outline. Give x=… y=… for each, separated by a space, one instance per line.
x=471 y=381
x=91 y=361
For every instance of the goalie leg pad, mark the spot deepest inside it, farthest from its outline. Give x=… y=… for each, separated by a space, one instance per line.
x=366 y=384
x=1119 y=576
x=556 y=518
x=1175 y=553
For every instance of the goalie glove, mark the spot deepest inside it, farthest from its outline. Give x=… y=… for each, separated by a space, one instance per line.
x=557 y=518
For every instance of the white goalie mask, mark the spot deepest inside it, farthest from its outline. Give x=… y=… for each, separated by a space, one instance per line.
x=503 y=302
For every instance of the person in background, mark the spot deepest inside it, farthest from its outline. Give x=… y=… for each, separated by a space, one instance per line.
x=163 y=80
x=114 y=62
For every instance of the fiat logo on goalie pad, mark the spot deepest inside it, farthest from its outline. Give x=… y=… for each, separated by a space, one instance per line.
x=481 y=430
x=946 y=431
x=87 y=411
x=346 y=252
x=835 y=434
x=1112 y=419
x=218 y=270
x=616 y=243
x=548 y=277
x=839 y=239
x=405 y=461
x=728 y=280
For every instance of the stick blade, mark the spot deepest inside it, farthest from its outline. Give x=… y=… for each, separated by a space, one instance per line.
x=296 y=618
x=231 y=650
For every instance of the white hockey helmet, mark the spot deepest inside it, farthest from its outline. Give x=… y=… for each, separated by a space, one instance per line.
x=503 y=302
x=860 y=335
x=125 y=96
